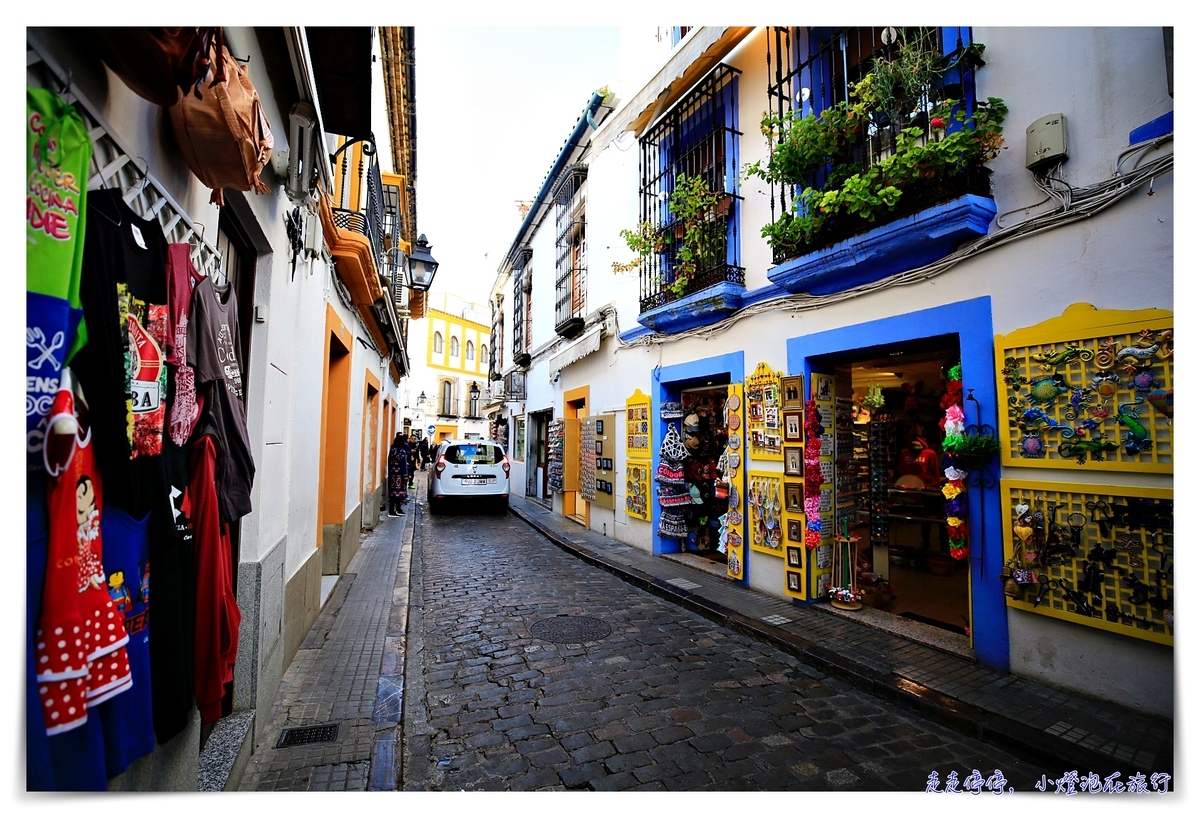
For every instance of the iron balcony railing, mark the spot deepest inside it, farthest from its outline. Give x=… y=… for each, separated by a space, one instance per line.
x=697 y=138
x=379 y=218
x=570 y=286
x=448 y=408
x=813 y=69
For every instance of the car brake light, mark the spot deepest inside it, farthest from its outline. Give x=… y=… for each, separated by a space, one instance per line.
x=505 y=464
x=441 y=465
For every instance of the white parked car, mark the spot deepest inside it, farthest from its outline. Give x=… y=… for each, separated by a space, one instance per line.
x=468 y=470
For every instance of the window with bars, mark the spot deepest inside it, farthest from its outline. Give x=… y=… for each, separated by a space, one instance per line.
x=496 y=363
x=813 y=69
x=570 y=223
x=698 y=139
x=522 y=317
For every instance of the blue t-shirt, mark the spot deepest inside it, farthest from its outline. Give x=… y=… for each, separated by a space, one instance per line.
x=129 y=717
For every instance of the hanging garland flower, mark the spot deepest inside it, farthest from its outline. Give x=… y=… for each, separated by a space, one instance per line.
x=953 y=424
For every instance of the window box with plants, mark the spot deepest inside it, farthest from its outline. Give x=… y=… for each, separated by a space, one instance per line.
x=685 y=274
x=891 y=179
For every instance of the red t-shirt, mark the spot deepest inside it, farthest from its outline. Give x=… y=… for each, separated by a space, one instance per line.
x=80 y=649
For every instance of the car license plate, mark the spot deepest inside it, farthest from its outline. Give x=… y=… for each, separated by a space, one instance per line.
x=477 y=481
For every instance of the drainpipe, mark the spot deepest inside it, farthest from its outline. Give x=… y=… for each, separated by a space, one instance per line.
x=586 y=120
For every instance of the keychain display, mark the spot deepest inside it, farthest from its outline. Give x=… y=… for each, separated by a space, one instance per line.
x=1097 y=555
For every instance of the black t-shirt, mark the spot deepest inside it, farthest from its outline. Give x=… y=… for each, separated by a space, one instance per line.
x=214 y=347
x=119 y=248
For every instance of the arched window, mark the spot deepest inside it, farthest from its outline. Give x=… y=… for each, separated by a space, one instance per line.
x=470 y=350
x=483 y=355
x=437 y=343
x=447 y=407
x=453 y=346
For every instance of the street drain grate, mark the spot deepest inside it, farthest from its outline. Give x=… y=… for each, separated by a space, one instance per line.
x=570 y=630
x=293 y=736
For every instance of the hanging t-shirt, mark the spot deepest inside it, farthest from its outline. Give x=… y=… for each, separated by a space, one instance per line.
x=172 y=626
x=57 y=154
x=124 y=274
x=217 y=614
x=182 y=277
x=80 y=640
x=214 y=349
x=128 y=719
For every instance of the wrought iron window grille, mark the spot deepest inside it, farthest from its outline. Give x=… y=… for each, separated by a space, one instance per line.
x=514 y=385
x=813 y=69
x=570 y=288
x=522 y=289
x=697 y=137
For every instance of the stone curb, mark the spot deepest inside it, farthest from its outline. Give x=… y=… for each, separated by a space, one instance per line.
x=1001 y=731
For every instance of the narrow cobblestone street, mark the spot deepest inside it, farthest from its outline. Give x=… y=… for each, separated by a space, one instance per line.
x=668 y=700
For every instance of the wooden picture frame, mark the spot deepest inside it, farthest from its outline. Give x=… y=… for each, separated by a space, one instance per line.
x=793 y=498
x=795 y=531
x=793 y=426
x=793 y=392
x=795 y=557
x=793 y=461
x=793 y=582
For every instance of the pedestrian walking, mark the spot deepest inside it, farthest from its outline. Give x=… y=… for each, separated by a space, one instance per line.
x=398 y=474
x=413 y=460
x=423 y=452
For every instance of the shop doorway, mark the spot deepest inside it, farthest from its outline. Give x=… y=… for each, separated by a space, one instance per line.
x=889 y=476
x=574 y=408
x=538 y=454
x=704 y=436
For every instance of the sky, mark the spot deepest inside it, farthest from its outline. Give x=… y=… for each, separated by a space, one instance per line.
x=494 y=106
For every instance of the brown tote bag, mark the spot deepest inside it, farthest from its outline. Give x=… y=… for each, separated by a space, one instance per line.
x=222 y=131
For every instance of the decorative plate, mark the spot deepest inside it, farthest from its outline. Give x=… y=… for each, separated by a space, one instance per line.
x=735 y=460
x=735 y=518
x=735 y=441
x=734 y=500
x=733 y=403
x=735 y=421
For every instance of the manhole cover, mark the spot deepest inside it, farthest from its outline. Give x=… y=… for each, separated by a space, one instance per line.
x=570 y=630
x=293 y=736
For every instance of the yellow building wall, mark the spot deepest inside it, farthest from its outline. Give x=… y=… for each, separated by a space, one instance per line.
x=454 y=327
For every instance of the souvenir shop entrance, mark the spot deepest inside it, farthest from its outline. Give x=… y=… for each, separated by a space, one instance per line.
x=889 y=412
x=704 y=436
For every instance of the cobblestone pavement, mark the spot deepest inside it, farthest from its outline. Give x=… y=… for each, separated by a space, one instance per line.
x=668 y=700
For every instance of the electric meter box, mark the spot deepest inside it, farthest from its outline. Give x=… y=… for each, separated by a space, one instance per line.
x=1046 y=141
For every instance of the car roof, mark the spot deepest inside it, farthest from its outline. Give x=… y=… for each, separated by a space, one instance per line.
x=469 y=441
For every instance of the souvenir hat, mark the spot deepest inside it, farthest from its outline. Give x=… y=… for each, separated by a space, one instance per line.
x=672 y=448
x=671 y=410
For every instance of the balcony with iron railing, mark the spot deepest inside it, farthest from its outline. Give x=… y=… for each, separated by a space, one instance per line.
x=687 y=236
x=378 y=217
x=447 y=408
x=877 y=144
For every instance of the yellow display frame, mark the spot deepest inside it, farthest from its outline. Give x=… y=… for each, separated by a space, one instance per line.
x=1016 y=490
x=765 y=377
x=644 y=467
x=637 y=410
x=768 y=480
x=821 y=392
x=735 y=553
x=1083 y=326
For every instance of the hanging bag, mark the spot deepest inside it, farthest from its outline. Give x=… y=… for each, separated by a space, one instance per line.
x=158 y=63
x=222 y=131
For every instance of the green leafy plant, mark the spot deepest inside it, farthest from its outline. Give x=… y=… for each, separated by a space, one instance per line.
x=696 y=228
x=973 y=445
x=945 y=144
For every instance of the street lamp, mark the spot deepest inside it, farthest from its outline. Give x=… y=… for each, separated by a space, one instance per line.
x=421 y=266
x=421 y=399
x=474 y=391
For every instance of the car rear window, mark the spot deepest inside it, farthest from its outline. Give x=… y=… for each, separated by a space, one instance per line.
x=480 y=454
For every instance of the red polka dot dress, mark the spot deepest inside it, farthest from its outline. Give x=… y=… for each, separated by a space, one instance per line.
x=80 y=649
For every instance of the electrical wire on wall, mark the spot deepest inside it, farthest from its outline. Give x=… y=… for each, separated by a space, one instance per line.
x=1072 y=204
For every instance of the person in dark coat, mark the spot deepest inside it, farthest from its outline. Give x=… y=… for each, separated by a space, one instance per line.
x=423 y=452
x=398 y=471
x=414 y=458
